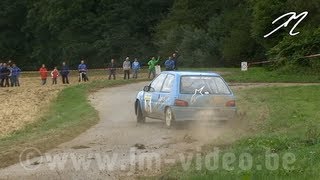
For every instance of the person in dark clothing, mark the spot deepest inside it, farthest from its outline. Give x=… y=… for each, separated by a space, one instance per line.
x=5 y=73
x=112 y=69
x=10 y=75
x=10 y=63
x=169 y=64
x=15 y=73
x=65 y=73
x=175 y=57
x=1 y=77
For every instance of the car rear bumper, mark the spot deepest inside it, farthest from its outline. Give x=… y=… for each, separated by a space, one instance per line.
x=203 y=114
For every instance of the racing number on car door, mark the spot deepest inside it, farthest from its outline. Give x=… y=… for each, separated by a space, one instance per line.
x=153 y=96
x=147 y=103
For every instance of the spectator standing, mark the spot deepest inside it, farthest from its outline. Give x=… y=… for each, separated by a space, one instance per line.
x=43 y=74
x=15 y=73
x=65 y=73
x=135 y=68
x=152 y=67
x=9 y=63
x=5 y=73
x=169 y=64
x=1 y=66
x=10 y=74
x=54 y=75
x=82 y=68
x=112 y=69
x=126 y=68
x=175 y=57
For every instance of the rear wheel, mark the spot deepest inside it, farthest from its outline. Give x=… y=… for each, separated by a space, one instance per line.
x=168 y=117
x=140 y=117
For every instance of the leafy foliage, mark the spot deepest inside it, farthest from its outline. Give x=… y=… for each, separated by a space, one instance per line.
x=206 y=33
x=235 y=29
x=53 y=31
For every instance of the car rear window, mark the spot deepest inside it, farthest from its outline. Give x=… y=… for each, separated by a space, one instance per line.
x=203 y=84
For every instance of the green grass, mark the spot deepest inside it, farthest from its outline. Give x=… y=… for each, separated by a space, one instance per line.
x=280 y=120
x=257 y=74
x=68 y=116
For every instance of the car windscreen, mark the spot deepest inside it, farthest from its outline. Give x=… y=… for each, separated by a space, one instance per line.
x=203 y=84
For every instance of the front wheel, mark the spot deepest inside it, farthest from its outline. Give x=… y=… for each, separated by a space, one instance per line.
x=140 y=117
x=169 y=117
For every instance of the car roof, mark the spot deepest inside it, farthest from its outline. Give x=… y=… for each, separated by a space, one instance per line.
x=192 y=73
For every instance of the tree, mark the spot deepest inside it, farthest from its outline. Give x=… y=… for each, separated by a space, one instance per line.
x=13 y=40
x=49 y=32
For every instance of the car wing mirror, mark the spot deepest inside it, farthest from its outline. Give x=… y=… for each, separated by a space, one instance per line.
x=146 y=88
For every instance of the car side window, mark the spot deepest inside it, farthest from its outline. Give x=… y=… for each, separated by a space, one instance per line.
x=222 y=88
x=167 y=86
x=157 y=83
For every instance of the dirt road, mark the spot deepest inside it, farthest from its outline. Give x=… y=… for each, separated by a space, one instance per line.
x=117 y=147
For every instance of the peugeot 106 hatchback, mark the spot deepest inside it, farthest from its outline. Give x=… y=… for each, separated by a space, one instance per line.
x=184 y=96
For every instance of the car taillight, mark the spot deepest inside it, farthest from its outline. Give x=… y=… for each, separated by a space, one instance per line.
x=231 y=103
x=179 y=102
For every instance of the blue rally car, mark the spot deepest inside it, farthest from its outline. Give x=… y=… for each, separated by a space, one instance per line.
x=181 y=96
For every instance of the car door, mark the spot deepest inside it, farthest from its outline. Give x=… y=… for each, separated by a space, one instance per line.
x=152 y=96
x=164 y=96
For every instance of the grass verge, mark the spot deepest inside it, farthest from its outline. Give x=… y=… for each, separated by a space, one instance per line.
x=68 y=116
x=261 y=75
x=284 y=141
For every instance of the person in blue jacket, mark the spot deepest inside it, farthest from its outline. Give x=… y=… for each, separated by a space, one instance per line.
x=1 y=76
x=135 y=68
x=14 y=76
x=169 y=64
x=65 y=73
x=5 y=74
x=82 y=68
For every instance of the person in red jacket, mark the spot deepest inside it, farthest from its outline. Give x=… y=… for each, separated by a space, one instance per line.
x=54 y=75
x=43 y=74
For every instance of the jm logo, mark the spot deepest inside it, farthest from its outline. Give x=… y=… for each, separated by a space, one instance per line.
x=194 y=97
x=293 y=16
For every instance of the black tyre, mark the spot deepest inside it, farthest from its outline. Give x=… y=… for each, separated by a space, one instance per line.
x=140 y=117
